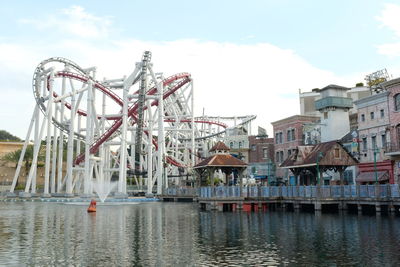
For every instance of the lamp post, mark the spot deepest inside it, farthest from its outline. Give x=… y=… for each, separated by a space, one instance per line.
x=319 y=156
x=376 y=173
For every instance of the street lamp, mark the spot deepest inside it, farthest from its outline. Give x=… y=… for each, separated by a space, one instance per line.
x=319 y=156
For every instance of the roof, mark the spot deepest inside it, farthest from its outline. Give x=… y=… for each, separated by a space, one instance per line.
x=307 y=156
x=219 y=146
x=221 y=160
x=334 y=86
x=370 y=176
x=296 y=118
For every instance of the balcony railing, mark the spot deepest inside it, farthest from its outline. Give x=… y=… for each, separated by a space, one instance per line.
x=333 y=101
x=392 y=148
x=342 y=192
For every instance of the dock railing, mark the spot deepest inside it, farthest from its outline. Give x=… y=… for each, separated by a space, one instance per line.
x=381 y=191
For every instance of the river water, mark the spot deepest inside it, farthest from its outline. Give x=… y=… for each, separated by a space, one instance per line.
x=179 y=234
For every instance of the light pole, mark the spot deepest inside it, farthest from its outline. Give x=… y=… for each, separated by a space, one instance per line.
x=319 y=156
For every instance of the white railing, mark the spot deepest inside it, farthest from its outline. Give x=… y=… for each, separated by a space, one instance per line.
x=385 y=191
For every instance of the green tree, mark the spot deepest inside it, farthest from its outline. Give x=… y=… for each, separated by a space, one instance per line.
x=14 y=157
x=6 y=136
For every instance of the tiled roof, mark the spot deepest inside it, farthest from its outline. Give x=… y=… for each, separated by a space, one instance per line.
x=219 y=146
x=307 y=156
x=221 y=160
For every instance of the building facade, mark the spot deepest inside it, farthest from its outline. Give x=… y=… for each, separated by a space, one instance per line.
x=288 y=135
x=393 y=146
x=373 y=137
x=261 y=158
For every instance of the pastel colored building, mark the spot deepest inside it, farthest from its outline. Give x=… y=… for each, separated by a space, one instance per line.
x=373 y=137
x=288 y=135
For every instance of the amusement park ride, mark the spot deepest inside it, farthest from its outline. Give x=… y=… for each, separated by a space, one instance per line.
x=141 y=125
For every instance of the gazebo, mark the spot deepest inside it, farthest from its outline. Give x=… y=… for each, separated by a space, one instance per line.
x=220 y=159
x=309 y=162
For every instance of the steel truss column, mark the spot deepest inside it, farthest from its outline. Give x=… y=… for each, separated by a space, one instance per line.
x=87 y=188
x=48 y=138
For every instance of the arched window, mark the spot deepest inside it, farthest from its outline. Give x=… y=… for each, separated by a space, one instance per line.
x=231 y=144
x=397 y=102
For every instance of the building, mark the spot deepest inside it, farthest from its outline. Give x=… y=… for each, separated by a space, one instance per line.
x=237 y=140
x=289 y=133
x=261 y=158
x=393 y=142
x=373 y=136
x=308 y=102
x=308 y=99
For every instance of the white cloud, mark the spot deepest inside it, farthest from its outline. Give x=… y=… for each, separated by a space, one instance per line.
x=229 y=79
x=75 y=21
x=389 y=18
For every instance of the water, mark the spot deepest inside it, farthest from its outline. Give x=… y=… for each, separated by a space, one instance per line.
x=178 y=234
x=103 y=188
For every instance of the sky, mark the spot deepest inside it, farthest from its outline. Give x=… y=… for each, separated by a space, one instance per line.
x=245 y=57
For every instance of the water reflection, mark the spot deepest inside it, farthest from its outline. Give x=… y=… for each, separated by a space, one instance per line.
x=172 y=234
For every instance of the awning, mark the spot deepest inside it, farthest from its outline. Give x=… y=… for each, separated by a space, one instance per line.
x=370 y=176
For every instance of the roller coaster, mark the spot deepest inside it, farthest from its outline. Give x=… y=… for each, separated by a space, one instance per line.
x=142 y=126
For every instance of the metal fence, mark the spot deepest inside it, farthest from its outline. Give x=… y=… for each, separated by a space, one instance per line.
x=386 y=191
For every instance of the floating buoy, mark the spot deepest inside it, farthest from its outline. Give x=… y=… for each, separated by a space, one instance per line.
x=92 y=206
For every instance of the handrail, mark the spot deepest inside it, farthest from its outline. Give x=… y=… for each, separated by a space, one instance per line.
x=335 y=192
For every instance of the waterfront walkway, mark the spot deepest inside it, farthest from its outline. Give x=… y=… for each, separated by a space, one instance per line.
x=382 y=198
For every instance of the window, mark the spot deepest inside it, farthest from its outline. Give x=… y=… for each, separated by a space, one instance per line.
x=373 y=141
x=362 y=117
x=289 y=135
x=240 y=145
x=281 y=155
x=253 y=147
x=289 y=152
x=372 y=115
x=265 y=153
x=337 y=153
x=383 y=137
x=397 y=102
x=279 y=137
x=293 y=135
x=382 y=113
x=231 y=144
x=364 y=143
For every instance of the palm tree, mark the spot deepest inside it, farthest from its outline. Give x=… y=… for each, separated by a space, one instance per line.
x=15 y=155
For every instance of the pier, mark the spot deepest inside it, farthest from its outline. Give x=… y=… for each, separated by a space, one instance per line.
x=377 y=198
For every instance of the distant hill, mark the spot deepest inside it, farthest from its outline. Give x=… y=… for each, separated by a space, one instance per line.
x=6 y=136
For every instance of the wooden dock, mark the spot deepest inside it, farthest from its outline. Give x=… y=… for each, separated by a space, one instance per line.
x=377 y=198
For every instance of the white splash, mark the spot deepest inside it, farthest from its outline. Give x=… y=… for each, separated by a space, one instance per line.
x=103 y=188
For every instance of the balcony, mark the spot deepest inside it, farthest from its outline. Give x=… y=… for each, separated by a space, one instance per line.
x=333 y=101
x=392 y=150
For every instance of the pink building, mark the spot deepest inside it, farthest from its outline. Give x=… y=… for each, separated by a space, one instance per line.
x=374 y=135
x=288 y=134
x=393 y=147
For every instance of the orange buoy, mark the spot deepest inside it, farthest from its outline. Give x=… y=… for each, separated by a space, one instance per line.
x=92 y=206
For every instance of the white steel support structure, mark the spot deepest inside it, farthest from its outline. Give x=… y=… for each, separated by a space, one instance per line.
x=151 y=115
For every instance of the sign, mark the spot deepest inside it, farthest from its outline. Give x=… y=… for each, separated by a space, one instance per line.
x=377 y=77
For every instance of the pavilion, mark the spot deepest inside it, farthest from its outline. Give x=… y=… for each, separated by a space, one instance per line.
x=220 y=159
x=307 y=163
